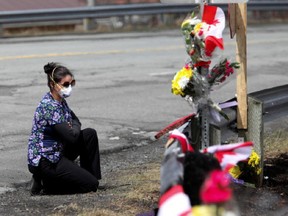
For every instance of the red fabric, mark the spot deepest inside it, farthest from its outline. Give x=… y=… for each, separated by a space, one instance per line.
x=182 y=140
x=174 y=125
x=187 y=213
x=209 y=14
x=211 y=43
x=215 y=18
x=174 y=203
x=229 y=155
x=202 y=64
x=174 y=190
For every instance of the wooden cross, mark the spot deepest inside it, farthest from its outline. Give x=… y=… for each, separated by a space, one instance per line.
x=238 y=27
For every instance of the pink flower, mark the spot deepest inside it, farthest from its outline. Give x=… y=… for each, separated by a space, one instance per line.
x=201 y=32
x=216 y=188
x=229 y=70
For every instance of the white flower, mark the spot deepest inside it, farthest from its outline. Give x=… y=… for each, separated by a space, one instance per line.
x=183 y=81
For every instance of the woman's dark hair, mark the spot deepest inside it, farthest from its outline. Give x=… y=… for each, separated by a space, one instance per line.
x=197 y=167
x=55 y=72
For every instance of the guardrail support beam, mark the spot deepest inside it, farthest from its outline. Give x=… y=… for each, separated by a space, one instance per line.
x=215 y=135
x=89 y=23
x=1 y=30
x=256 y=130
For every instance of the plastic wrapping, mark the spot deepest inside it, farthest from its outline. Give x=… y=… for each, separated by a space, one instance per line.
x=205 y=66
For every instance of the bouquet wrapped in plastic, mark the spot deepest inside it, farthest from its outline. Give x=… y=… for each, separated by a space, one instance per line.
x=203 y=37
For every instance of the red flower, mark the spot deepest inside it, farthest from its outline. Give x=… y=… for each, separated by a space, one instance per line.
x=216 y=188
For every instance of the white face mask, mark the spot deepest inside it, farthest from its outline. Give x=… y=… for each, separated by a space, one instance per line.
x=65 y=92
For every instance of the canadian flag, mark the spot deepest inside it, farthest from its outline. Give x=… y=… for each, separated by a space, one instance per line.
x=174 y=203
x=215 y=18
x=229 y=155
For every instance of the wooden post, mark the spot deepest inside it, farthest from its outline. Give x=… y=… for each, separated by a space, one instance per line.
x=241 y=57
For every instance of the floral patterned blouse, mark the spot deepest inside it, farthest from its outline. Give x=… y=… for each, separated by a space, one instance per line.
x=42 y=141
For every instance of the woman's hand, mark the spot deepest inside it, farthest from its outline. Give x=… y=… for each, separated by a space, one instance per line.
x=69 y=124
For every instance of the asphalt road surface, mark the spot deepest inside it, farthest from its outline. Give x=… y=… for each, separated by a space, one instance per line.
x=123 y=84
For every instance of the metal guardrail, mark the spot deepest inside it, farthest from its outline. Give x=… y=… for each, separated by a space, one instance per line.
x=8 y=17
x=275 y=104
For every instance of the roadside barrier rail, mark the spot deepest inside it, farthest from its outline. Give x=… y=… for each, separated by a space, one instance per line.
x=21 y=16
x=275 y=104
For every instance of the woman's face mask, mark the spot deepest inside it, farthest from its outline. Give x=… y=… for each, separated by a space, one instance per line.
x=65 y=92
x=64 y=88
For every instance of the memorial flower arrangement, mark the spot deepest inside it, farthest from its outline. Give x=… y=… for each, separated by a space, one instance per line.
x=203 y=37
x=247 y=171
x=188 y=81
x=181 y=79
x=221 y=71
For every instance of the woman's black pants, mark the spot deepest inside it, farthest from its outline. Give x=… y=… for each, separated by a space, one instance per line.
x=66 y=176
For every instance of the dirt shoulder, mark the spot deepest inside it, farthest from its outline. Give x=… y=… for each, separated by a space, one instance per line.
x=131 y=179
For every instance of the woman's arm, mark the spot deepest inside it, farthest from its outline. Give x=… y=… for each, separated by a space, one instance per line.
x=75 y=120
x=69 y=131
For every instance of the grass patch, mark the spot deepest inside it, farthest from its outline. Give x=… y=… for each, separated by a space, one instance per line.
x=275 y=143
x=133 y=191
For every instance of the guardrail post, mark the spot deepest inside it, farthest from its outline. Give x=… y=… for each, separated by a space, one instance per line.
x=88 y=23
x=215 y=135
x=167 y=19
x=256 y=130
x=1 y=30
x=205 y=136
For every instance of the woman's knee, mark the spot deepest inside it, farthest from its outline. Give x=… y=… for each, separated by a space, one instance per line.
x=90 y=132
x=90 y=136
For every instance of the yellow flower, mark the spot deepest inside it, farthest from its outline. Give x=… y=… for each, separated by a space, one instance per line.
x=254 y=159
x=188 y=24
x=180 y=80
x=235 y=172
x=208 y=210
x=254 y=162
x=198 y=27
x=258 y=171
x=250 y=168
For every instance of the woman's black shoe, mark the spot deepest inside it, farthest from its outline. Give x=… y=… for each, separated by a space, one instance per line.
x=36 y=187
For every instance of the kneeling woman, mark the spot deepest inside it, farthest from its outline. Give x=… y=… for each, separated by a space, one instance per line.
x=57 y=140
